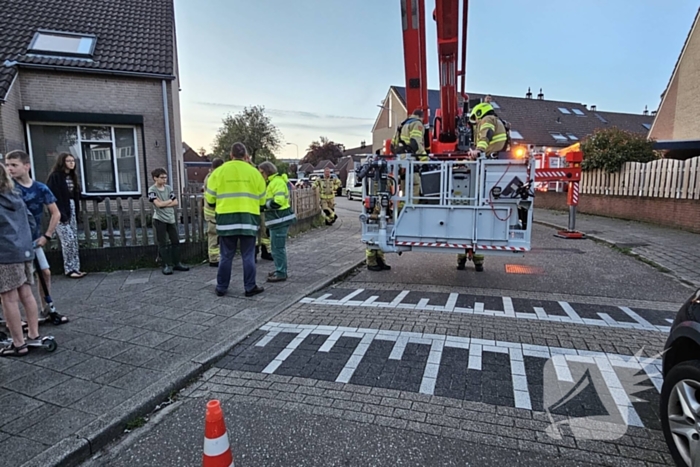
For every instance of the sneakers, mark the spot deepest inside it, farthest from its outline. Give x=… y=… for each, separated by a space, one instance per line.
x=254 y=291
x=276 y=278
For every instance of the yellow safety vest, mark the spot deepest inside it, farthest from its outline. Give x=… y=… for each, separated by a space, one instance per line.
x=278 y=193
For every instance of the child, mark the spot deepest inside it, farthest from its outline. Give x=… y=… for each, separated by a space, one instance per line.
x=164 y=200
x=36 y=195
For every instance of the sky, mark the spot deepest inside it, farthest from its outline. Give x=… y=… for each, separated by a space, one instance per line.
x=321 y=67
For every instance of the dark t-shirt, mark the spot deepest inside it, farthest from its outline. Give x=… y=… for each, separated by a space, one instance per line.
x=36 y=197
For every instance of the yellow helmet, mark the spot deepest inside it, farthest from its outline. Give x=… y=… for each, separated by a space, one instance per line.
x=480 y=110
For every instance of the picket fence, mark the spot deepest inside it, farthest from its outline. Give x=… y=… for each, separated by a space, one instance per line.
x=664 y=178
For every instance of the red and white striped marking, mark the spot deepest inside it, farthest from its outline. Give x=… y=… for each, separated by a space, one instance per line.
x=575 y=193
x=551 y=173
x=462 y=246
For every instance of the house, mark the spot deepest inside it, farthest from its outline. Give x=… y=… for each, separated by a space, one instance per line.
x=533 y=121
x=196 y=168
x=323 y=164
x=676 y=127
x=305 y=169
x=98 y=79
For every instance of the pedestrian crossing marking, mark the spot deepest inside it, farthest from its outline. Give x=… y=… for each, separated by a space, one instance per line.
x=509 y=310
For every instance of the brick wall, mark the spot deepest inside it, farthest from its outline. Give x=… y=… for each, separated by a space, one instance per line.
x=11 y=130
x=679 y=213
x=77 y=92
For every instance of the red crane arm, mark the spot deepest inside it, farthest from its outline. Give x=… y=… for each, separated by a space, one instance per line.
x=413 y=23
x=447 y=18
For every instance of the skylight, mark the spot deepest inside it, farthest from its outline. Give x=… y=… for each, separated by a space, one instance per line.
x=572 y=137
x=578 y=112
x=599 y=117
x=495 y=106
x=63 y=44
x=514 y=134
x=559 y=137
x=564 y=110
x=647 y=126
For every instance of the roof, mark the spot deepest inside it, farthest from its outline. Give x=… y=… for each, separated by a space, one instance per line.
x=133 y=36
x=537 y=119
x=306 y=168
x=323 y=164
x=362 y=149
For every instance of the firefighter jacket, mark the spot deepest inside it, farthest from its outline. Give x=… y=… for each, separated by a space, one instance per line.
x=327 y=187
x=278 y=211
x=491 y=134
x=209 y=212
x=237 y=190
x=411 y=128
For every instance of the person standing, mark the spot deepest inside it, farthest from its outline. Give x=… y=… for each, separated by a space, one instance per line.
x=409 y=139
x=164 y=199
x=236 y=191
x=210 y=217
x=16 y=271
x=278 y=217
x=327 y=188
x=37 y=196
x=63 y=183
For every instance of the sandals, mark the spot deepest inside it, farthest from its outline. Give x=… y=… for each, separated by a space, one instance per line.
x=76 y=274
x=56 y=318
x=12 y=351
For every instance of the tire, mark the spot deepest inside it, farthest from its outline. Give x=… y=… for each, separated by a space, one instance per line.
x=688 y=374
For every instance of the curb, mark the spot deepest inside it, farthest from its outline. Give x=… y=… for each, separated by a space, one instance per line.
x=598 y=238
x=86 y=442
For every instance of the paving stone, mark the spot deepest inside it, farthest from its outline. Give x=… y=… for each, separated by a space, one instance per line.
x=67 y=392
x=136 y=379
x=102 y=400
x=63 y=423
x=20 y=449
x=37 y=382
x=390 y=422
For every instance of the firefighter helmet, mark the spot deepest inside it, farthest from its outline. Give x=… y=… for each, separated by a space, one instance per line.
x=480 y=110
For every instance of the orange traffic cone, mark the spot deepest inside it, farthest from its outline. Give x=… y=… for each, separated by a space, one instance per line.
x=217 y=452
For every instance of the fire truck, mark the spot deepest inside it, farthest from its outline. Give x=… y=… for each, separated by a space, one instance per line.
x=480 y=206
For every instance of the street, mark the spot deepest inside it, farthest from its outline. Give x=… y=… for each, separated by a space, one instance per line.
x=551 y=358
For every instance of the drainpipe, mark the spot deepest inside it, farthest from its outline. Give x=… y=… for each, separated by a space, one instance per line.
x=166 y=116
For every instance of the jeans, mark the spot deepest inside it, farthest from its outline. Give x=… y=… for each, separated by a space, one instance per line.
x=164 y=231
x=228 y=245
x=278 y=244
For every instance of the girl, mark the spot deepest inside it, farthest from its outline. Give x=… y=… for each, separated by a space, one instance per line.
x=63 y=182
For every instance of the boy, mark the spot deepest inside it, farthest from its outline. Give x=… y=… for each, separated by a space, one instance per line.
x=164 y=200
x=36 y=195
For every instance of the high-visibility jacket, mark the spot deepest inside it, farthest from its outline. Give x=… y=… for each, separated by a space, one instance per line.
x=237 y=190
x=209 y=212
x=327 y=187
x=491 y=134
x=411 y=128
x=278 y=211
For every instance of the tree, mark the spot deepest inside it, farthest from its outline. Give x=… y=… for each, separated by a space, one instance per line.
x=292 y=170
x=610 y=148
x=252 y=128
x=323 y=150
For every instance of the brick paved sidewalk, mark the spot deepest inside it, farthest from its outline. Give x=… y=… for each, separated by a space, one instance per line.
x=672 y=249
x=136 y=336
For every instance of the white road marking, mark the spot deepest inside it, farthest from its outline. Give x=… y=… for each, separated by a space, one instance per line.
x=509 y=311
x=265 y=340
x=561 y=357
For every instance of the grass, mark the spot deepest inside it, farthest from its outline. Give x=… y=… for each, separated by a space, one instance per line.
x=628 y=252
x=138 y=422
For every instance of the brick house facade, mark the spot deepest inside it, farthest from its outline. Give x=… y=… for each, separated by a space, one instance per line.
x=115 y=106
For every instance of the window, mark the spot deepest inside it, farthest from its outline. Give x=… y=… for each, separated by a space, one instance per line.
x=647 y=126
x=559 y=137
x=578 y=112
x=106 y=156
x=514 y=134
x=572 y=137
x=600 y=117
x=495 y=105
x=564 y=110
x=63 y=44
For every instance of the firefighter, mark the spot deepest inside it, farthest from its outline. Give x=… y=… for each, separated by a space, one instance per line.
x=210 y=217
x=491 y=137
x=375 y=258
x=328 y=187
x=409 y=140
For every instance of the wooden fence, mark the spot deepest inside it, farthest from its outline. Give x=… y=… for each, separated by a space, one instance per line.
x=120 y=222
x=664 y=178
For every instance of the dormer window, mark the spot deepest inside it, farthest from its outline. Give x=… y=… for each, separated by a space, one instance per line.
x=64 y=44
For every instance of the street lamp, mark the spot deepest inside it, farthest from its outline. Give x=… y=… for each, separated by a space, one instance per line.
x=297 y=150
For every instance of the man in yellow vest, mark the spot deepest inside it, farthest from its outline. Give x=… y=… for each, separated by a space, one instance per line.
x=409 y=140
x=210 y=218
x=327 y=187
x=236 y=191
x=491 y=137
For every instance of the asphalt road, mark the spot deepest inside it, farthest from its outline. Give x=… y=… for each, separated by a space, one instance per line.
x=428 y=365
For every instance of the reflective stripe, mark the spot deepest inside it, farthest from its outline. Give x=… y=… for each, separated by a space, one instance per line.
x=217 y=446
x=290 y=217
x=211 y=192
x=240 y=195
x=499 y=138
x=482 y=144
x=236 y=227
x=487 y=125
x=280 y=193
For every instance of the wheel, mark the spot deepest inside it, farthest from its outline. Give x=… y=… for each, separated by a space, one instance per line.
x=349 y=195
x=50 y=345
x=680 y=412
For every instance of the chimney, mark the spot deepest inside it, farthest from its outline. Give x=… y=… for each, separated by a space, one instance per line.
x=646 y=110
x=362 y=144
x=529 y=94
x=594 y=108
x=540 y=96
x=653 y=113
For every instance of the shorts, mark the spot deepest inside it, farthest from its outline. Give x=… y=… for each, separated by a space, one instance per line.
x=41 y=258
x=14 y=276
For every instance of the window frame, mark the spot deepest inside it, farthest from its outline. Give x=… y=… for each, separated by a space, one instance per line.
x=564 y=110
x=560 y=140
x=79 y=143
x=47 y=32
x=578 y=112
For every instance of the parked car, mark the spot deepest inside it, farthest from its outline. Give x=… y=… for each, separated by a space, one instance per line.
x=680 y=393
x=353 y=189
